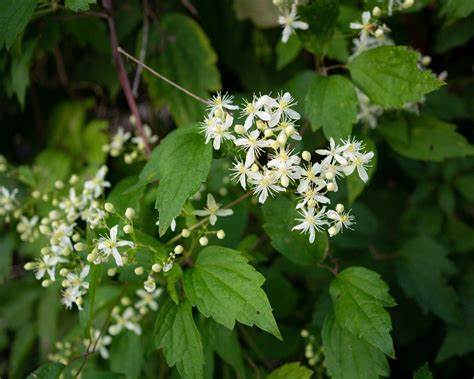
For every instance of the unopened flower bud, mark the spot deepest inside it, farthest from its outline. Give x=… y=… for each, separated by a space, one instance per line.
x=379 y=33
x=139 y=270
x=45 y=197
x=91 y=257
x=284 y=181
x=178 y=249
x=408 y=4
x=109 y=207
x=268 y=133
x=128 y=159
x=220 y=234
x=376 y=12
x=239 y=129
x=254 y=168
x=331 y=186
x=111 y=271
x=143 y=311
x=150 y=284
x=426 y=60
x=339 y=208
x=185 y=233
x=29 y=266
x=306 y=155
x=73 y=179
x=46 y=283
x=289 y=130
x=332 y=231
x=261 y=125
x=36 y=194
x=130 y=213
x=329 y=175
x=282 y=139
x=80 y=246
x=203 y=241
x=304 y=333
x=127 y=229
x=125 y=301
x=59 y=184
x=44 y=229
x=132 y=119
x=156 y=267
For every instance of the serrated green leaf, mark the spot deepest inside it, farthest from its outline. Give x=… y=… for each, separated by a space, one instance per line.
x=331 y=103
x=183 y=164
x=287 y=52
x=223 y=285
x=189 y=60
x=79 y=5
x=291 y=370
x=423 y=372
x=359 y=297
x=350 y=357
x=14 y=16
x=279 y=215
x=390 y=76
x=421 y=272
x=20 y=71
x=177 y=334
x=321 y=17
x=425 y=138
x=47 y=371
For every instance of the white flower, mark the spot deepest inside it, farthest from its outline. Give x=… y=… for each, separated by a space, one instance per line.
x=7 y=200
x=253 y=145
x=94 y=215
x=265 y=184
x=147 y=299
x=70 y=205
x=253 y=109
x=368 y=112
x=310 y=174
x=286 y=166
x=361 y=162
x=78 y=281
x=283 y=105
x=212 y=210
x=289 y=21
x=26 y=228
x=312 y=194
x=109 y=245
x=47 y=264
x=128 y=320
x=340 y=220
x=100 y=343
x=117 y=142
x=71 y=296
x=150 y=138
x=365 y=27
x=352 y=147
x=96 y=186
x=334 y=152
x=221 y=102
x=240 y=173
x=218 y=130
x=311 y=222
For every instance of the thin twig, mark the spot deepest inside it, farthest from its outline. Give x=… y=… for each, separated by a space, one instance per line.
x=143 y=47
x=124 y=82
x=204 y=220
x=164 y=78
x=187 y=4
x=335 y=66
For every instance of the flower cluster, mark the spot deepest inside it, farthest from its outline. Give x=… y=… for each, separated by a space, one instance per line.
x=269 y=164
x=288 y=18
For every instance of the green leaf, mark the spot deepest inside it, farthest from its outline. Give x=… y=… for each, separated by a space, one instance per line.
x=20 y=350
x=262 y=13
x=359 y=297
x=223 y=342
x=321 y=17
x=355 y=185
x=14 y=16
x=47 y=371
x=331 y=103
x=291 y=370
x=455 y=35
x=299 y=86
x=287 y=52
x=390 y=77
x=465 y=185
x=457 y=8
x=122 y=199
x=20 y=72
x=93 y=138
x=126 y=355
x=8 y=243
x=79 y=5
x=425 y=138
x=223 y=285
x=350 y=357
x=177 y=334
x=421 y=272
x=51 y=165
x=423 y=372
x=189 y=60
x=279 y=215
x=183 y=164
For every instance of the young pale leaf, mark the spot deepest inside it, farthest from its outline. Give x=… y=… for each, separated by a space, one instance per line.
x=421 y=272
x=189 y=60
x=279 y=215
x=331 y=103
x=291 y=370
x=425 y=138
x=184 y=164
x=359 y=297
x=390 y=76
x=47 y=371
x=14 y=16
x=223 y=285
x=423 y=372
x=350 y=357
x=177 y=334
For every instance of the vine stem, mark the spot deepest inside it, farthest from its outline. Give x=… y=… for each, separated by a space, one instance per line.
x=162 y=77
x=204 y=220
x=123 y=78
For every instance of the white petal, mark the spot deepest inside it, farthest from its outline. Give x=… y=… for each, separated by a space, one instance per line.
x=117 y=257
x=293 y=114
x=362 y=173
x=263 y=115
x=300 y=25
